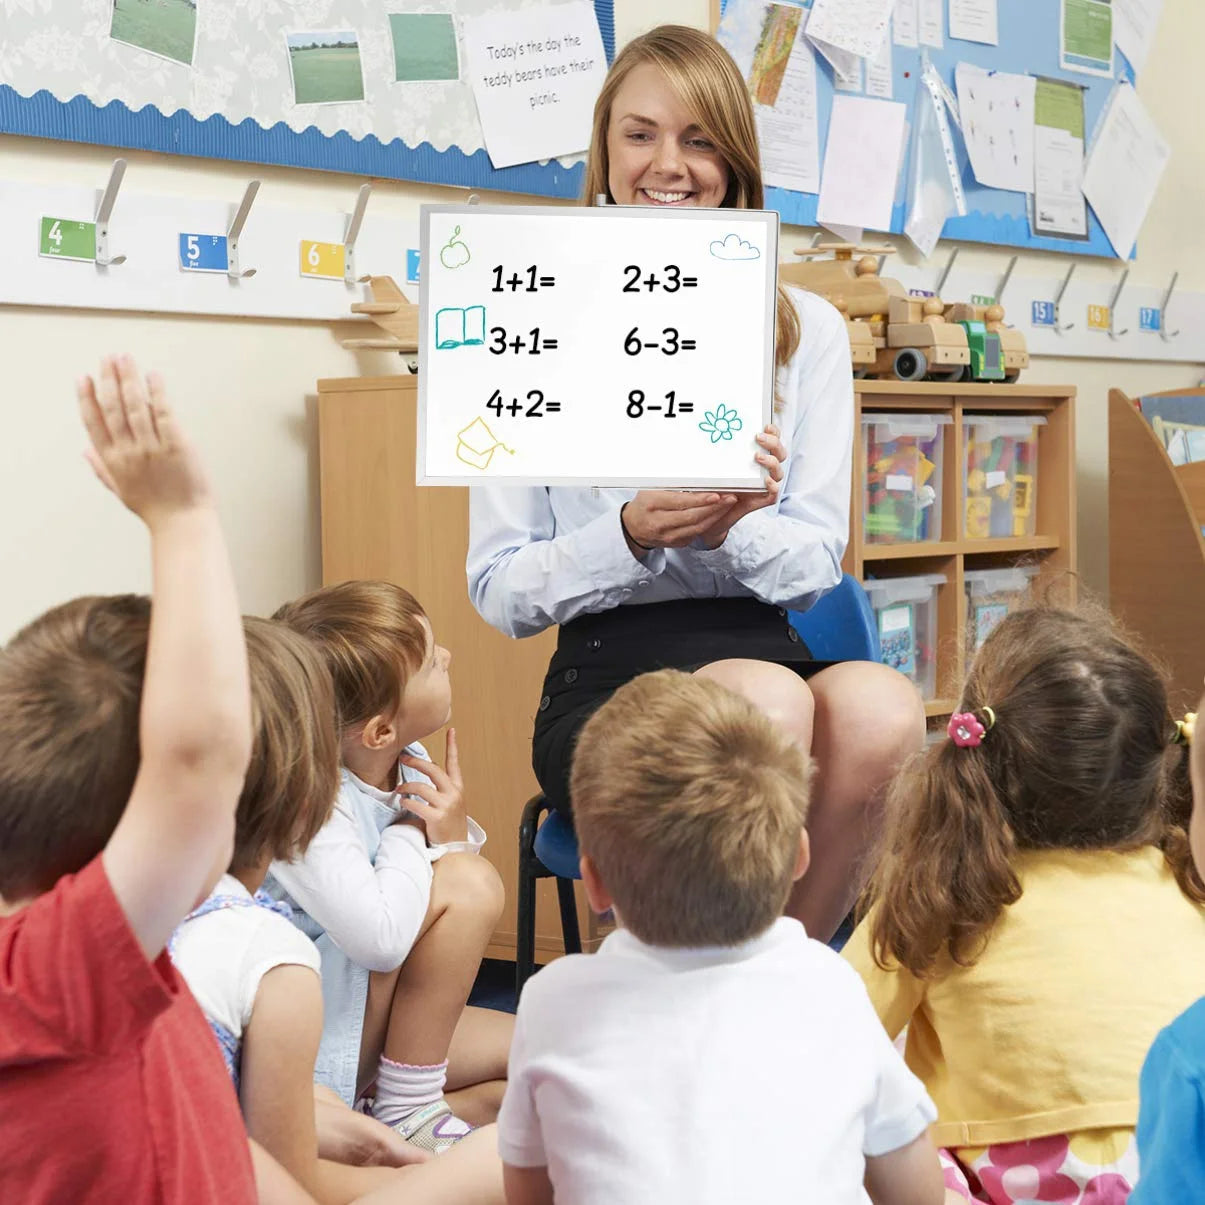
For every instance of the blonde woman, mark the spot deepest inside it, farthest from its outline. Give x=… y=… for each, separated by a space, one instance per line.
x=702 y=582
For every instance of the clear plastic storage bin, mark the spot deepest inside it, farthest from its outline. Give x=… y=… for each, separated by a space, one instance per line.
x=1000 y=474
x=991 y=594
x=906 y=615
x=901 y=477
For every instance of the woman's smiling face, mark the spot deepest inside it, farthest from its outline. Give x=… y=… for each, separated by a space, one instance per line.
x=656 y=152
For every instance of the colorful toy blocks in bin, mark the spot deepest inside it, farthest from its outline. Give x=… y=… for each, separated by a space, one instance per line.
x=905 y=611
x=991 y=594
x=901 y=477
x=1001 y=476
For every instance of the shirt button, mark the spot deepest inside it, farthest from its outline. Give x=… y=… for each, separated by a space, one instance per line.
x=793 y=635
x=571 y=676
x=643 y=585
x=544 y=703
x=594 y=644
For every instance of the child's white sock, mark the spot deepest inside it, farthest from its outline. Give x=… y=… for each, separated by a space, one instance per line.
x=404 y=1088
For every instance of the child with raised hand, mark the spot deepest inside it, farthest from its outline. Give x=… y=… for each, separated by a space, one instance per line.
x=1035 y=918
x=124 y=737
x=391 y=888
x=710 y=1052
x=1171 y=1117
x=256 y=976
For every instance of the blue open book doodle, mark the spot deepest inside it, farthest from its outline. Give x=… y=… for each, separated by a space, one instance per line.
x=460 y=327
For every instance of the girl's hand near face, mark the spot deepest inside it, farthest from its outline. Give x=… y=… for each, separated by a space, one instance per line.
x=439 y=804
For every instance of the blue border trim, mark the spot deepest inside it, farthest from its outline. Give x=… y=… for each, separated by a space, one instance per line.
x=80 y=120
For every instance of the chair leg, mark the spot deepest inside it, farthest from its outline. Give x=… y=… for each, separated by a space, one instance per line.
x=525 y=928
x=569 y=929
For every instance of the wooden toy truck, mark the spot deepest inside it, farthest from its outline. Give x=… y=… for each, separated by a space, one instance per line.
x=1014 y=353
x=912 y=338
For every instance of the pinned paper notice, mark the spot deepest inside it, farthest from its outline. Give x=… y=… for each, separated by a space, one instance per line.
x=1134 y=25
x=904 y=23
x=535 y=74
x=862 y=162
x=1124 y=167
x=974 y=21
x=856 y=27
x=787 y=130
x=997 y=123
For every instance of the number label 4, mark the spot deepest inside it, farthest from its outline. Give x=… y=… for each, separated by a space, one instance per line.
x=62 y=239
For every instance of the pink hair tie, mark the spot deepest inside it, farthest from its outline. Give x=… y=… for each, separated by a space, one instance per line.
x=965 y=730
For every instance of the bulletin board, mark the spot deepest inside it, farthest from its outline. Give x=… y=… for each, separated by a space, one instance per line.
x=1029 y=44
x=63 y=76
x=611 y=346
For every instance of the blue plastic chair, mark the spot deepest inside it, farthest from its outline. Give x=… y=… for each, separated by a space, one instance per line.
x=840 y=627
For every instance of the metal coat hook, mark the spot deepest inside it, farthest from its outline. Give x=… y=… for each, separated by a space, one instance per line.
x=1008 y=275
x=1121 y=284
x=1060 y=327
x=104 y=210
x=945 y=272
x=235 y=229
x=352 y=233
x=1164 y=333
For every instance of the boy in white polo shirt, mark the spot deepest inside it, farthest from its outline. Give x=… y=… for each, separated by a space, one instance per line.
x=710 y=1051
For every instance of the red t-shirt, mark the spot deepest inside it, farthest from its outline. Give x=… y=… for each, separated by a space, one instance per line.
x=112 y=1087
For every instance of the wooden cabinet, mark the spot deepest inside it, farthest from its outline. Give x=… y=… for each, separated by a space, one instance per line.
x=376 y=523
x=1051 y=547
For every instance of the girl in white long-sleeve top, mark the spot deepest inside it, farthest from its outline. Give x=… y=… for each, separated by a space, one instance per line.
x=390 y=889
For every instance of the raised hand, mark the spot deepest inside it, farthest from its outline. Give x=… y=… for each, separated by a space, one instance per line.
x=440 y=802
x=137 y=450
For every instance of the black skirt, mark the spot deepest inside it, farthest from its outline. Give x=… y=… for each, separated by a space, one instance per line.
x=597 y=654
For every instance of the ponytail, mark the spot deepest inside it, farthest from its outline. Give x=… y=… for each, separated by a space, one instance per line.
x=946 y=872
x=1175 y=811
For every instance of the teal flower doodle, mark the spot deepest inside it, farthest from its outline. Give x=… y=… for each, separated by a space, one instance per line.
x=721 y=423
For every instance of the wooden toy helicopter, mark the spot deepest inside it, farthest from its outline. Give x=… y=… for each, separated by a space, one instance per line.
x=390 y=310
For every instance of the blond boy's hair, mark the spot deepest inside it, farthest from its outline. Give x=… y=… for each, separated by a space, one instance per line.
x=690 y=803
x=289 y=791
x=373 y=638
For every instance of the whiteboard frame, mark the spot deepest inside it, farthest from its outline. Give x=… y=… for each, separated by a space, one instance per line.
x=767 y=219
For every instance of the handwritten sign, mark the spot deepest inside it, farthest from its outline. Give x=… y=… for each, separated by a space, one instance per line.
x=616 y=346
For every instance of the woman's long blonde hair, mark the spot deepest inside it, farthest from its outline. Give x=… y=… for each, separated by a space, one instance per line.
x=704 y=77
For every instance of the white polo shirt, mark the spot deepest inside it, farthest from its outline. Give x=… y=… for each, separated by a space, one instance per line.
x=758 y=1073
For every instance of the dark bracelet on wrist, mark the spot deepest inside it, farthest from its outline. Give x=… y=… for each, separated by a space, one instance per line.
x=624 y=528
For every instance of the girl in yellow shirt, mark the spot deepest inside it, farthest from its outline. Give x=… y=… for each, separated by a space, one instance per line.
x=1035 y=917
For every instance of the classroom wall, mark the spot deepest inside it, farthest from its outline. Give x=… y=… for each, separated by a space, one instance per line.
x=245 y=388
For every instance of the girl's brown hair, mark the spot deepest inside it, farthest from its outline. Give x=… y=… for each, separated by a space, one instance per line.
x=1080 y=756
x=291 y=782
x=372 y=637
x=704 y=77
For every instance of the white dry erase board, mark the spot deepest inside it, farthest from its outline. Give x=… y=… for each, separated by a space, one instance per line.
x=610 y=346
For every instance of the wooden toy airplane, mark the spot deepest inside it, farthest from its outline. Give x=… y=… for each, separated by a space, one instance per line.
x=390 y=310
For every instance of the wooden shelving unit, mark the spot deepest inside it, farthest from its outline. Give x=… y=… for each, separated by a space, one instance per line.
x=1052 y=547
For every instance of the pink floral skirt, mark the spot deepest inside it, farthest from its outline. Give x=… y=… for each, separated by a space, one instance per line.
x=1096 y=1167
